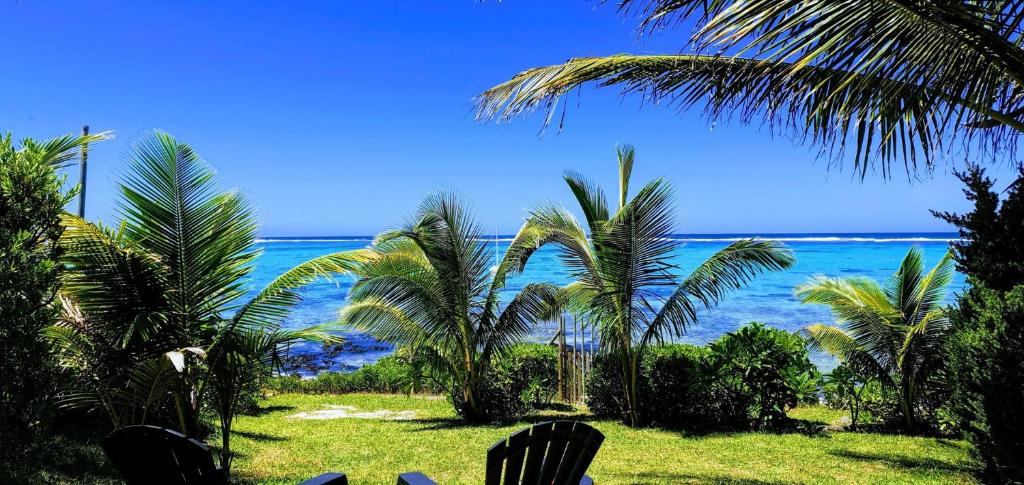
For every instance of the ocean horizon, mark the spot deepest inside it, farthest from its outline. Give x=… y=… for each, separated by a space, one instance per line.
x=769 y=299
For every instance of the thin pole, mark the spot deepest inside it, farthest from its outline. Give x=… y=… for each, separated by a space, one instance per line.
x=84 y=154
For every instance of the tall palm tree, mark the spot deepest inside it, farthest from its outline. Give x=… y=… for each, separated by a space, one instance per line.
x=429 y=287
x=624 y=275
x=160 y=304
x=902 y=80
x=894 y=331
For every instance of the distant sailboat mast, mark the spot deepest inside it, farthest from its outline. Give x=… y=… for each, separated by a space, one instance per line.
x=494 y=269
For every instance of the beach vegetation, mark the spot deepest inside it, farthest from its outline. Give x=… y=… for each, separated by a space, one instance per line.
x=894 y=332
x=158 y=325
x=985 y=370
x=32 y=199
x=766 y=372
x=429 y=288
x=625 y=277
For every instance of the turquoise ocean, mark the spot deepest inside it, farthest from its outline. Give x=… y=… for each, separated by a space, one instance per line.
x=768 y=299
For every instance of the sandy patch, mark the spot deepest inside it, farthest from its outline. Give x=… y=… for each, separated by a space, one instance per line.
x=331 y=411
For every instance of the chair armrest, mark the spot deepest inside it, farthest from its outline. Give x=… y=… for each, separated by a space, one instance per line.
x=414 y=478
x=587 y=480
x=327 y=479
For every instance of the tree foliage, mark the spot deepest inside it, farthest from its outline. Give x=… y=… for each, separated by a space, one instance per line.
x=986 y=373
x=31 y=202
x=992 y=234
x=893 y=332
x=622 y=265
x=157 y=310
x=429 y=288
x=893 y=80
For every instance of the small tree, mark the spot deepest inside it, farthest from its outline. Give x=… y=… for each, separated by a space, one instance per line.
x=31 y=202
x=895 y=330
x=985 y=369
x=844 y=388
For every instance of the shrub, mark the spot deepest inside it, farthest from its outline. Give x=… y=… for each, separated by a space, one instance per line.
x=522 y=380
x=986 y=377
x=30 y=207
x=767 y=370
x=675 y=390
x=846 y=388
x=388 y=375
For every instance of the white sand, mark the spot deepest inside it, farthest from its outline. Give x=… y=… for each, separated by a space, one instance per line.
x=332 y=411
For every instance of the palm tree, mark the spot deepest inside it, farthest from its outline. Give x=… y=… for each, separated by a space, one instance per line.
x=623 y=270
x=429 y=288
x=902 y=80
x=159 y=306
x=894 y=332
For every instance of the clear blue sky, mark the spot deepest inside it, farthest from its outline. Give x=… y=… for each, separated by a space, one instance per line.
x=336 y=117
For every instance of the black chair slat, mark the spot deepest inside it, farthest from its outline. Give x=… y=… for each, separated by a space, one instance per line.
x=582 y=449
x=515 y=454
x=495 y=459
x=560 y=435
x=540 y=437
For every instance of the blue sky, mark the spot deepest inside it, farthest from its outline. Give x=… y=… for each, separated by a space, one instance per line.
x=337 y=117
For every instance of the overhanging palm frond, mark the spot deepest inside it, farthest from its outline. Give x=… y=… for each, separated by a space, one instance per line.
x=887 y=119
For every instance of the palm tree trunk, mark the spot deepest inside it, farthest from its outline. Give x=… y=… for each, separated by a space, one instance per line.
x=907 y=399
x=629 y=374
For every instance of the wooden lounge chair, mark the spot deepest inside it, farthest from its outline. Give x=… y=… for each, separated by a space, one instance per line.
x=555 y=453
x=153 y=455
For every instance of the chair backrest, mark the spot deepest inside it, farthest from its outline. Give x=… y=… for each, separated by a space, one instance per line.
x=150 y=454
x=556 y=453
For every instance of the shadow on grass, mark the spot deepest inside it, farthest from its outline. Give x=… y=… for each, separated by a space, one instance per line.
x=904 y=462
x=263 y=411
x=665 y=477
x=261 y=437
x=432 y=424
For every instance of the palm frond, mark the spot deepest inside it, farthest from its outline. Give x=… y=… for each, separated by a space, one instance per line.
x=590 y=197
x=626 y=155
x=273 y=303
x=734 y=267
x=883 y=119
x=173 y=208
x=62 y=150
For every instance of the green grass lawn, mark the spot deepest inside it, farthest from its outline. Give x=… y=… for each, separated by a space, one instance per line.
x=275 y=447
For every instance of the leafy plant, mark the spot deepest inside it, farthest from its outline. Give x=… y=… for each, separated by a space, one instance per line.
x=156 y=309
x=895 y=80
x=429 y=288
x=986 y=375
x=623 y=268
x=990 y=235
x=768 y=370
x=894 y=332
x=31 y=202
x=844 y=388
x=985 y=370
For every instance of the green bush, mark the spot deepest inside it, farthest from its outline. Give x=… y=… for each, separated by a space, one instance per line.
x=388 y=375
x=523 y=379
x=768 y=371
x=852 y=390
x=31 y=203
x=675 y=390
x=986 y=377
